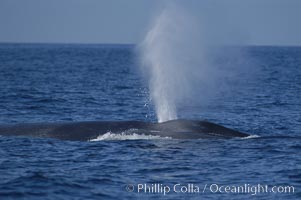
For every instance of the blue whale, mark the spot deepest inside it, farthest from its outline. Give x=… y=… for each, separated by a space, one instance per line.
x=85 y=131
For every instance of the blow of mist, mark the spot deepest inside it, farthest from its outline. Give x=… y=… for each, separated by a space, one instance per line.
x=180 y=67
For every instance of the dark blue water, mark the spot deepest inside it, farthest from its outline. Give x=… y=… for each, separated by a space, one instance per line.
x=47 y=83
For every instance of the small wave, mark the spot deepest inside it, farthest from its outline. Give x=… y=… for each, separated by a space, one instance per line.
x=126 y=136
x=250 y=137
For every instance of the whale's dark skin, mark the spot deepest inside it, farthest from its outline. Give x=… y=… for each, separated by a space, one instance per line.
x=85 y=131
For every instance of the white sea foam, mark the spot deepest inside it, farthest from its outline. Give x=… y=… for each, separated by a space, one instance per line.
x=126 y=136
x=250 y=137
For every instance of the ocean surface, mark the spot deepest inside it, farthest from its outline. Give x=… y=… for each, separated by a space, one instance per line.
x=51 y=83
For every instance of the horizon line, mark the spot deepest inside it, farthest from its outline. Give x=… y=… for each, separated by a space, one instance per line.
x=132 y=44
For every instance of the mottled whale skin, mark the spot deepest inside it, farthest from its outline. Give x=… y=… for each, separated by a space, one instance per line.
x=85 y=131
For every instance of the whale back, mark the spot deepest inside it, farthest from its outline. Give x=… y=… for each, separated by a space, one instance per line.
x=84 y=131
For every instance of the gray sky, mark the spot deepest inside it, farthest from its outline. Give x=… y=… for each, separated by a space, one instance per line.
x=260 y=22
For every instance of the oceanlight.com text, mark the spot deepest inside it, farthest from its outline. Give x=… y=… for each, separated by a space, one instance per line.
x=191 y=188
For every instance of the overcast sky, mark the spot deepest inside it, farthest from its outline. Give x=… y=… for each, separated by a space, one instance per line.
x=259 y=22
